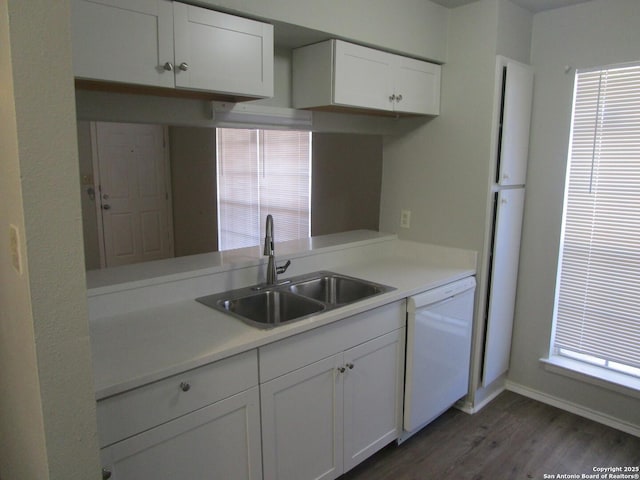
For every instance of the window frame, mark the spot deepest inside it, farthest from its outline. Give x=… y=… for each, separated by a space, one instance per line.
x=591 y=368
x=261 y=164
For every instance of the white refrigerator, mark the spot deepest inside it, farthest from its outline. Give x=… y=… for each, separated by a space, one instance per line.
x=512 y=146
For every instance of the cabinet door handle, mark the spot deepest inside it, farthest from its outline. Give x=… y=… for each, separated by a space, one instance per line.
x=184 y=66
x=185 y=387
x=168 y=66
x=392 y=98
x=350 y=366
x=106 y=474
x=399 y=98
x=341 y=369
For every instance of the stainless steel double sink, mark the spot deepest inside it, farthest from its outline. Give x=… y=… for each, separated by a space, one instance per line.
x=268 y=306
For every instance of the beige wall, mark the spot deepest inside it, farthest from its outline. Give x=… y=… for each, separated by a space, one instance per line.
x=347 y=174
x=47 y=407
x=560 y=39
x=194 y=190
x=89 y=213
x=441 y=171
x=414 y=27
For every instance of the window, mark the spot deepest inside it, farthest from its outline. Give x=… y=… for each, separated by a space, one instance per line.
x=262 y=172
x=597 y=313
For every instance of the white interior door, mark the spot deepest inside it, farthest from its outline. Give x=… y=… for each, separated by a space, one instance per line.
x=504 y=278
x=134 y=193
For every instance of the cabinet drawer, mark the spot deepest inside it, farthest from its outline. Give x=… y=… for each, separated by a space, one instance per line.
x=137 y=410
x=295 y=352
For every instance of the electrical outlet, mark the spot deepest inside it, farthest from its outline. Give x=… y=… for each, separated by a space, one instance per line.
x=405 y=218
x=14 y=246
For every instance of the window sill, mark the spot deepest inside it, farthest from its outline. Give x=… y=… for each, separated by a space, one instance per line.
x=618 y=382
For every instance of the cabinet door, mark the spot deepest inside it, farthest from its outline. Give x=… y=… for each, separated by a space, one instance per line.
x=417 y=86
x=225 y=53
x=372 y=396
x=503 y=282
x=123 y=41
x=221 y=440
x=516 y=120
x=302 y=423
x=363 y=77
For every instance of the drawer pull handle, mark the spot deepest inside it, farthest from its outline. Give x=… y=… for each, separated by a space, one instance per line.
x=185 y=387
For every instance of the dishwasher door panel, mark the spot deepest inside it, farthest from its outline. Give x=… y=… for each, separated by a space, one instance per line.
x=438 y=358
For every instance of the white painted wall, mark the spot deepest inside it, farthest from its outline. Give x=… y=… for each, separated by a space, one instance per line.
x=600 y=32
x=47 y=407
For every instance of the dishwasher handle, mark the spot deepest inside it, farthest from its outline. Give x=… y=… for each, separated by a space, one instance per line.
x=438 y=294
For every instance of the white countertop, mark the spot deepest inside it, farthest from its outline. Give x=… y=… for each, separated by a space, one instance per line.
x=138 y=347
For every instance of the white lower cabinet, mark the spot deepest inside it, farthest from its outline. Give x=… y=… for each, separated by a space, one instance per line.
x=310 y=406
x=218 y=441
x=321 y=420
x=201 y=424
x=302 y=423
x=372 y=396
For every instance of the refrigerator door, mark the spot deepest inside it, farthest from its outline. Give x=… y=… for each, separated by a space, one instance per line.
x=503 y=280
x=515 y=119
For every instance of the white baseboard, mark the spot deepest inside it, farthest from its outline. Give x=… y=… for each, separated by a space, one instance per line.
x=469 y=408
x=574 y=408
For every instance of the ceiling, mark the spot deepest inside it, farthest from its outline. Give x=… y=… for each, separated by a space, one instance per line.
x=534 y=6
x=291 y=36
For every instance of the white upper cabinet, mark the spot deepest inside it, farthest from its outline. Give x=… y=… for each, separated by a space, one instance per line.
x=160 y=43
x=337 y=75
x=215 y=49
x=122 y=41
x=515 y=121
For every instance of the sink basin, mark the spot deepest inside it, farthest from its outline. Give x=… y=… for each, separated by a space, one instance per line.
x=336 y=289
x=267 y=306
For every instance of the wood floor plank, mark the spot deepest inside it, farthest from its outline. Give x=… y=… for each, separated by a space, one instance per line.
x=514 y=437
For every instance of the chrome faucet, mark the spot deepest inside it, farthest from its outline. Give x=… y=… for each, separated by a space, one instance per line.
x=269 y=250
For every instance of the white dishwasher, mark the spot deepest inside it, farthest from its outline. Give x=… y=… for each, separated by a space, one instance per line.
x=439 y=324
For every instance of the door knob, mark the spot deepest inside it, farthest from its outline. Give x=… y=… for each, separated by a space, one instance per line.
x=106 y=206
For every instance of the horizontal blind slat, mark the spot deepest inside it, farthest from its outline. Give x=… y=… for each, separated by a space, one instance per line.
x=598 y=304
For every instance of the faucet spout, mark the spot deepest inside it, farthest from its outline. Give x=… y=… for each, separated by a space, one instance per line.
x=269 y=250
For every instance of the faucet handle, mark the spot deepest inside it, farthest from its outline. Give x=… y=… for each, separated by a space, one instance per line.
x=283 y=268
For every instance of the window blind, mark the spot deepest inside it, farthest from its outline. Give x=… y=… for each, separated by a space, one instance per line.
x=597 y=314
x=262 y=172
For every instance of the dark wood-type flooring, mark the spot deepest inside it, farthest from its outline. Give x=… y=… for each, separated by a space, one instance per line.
x=513 y=437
